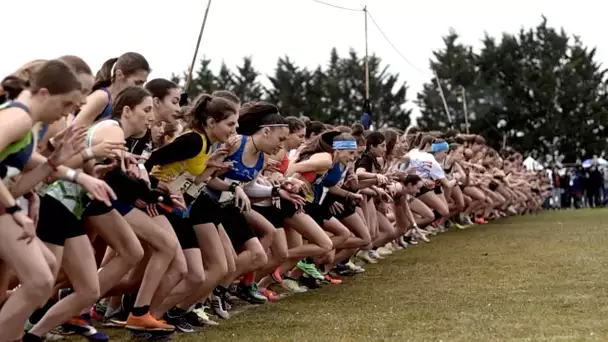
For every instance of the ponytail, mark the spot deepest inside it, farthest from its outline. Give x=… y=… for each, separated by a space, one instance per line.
x=104 y=75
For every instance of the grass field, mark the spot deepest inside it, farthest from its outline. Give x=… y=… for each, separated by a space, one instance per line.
x=538 y=278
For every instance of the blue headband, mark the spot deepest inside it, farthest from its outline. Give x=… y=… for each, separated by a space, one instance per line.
x=344 y=145
x=439 y=147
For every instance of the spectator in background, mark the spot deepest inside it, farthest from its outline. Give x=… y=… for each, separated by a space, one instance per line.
x=566 y=200
x=577 y=179
x=605 y=174
x=556 y=190
x=593 y=185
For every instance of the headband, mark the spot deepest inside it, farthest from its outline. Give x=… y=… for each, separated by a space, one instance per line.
x=439 y=147
x=344 y=145
x=275 y=125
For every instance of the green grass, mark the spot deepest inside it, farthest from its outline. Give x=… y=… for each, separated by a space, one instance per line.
x=540 y=278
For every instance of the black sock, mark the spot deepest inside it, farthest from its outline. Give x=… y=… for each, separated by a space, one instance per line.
x=37 y=315
x=309 y=260
x=140 y=310
x=322 y=268
x=31 y=338
x=220 y=291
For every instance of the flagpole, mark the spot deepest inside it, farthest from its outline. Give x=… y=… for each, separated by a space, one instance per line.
x=464 y=107
x=198 y=44
x=445 y=103
x=366 y=57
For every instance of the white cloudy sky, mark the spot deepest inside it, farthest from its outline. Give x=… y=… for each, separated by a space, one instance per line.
x=165 y=31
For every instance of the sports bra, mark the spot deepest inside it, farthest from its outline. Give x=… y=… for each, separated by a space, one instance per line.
x=17 y=154
x=284 y=164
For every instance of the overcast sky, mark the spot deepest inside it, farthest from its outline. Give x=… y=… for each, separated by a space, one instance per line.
x=165 y=31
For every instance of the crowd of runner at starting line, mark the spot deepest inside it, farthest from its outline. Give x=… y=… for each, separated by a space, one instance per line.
x=121 y=207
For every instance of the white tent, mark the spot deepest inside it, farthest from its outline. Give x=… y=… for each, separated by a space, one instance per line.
x=532 y=165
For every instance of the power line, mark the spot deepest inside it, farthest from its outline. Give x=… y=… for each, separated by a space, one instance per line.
x=391 y=43
x=339 y=7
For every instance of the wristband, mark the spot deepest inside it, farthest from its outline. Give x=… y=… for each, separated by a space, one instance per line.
x=52 y=165
x=78 y=172
x=275 y=191
x=71 y=175
x=12 y=209
x=232 y=187
x=88 y=153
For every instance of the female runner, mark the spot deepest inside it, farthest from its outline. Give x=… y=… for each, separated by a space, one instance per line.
x=129 y=69
x=213 y=120
x=53 y=92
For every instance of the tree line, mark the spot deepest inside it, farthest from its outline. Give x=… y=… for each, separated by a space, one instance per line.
x=540 y=89
x=332 y=94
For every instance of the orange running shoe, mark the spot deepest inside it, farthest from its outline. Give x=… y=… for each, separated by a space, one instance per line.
x=332 y=280
x=271 y=295
x=147 y=323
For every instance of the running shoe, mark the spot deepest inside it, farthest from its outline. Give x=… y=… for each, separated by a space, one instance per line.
x=401 y=242
x=219 y=307
x=332 y=280
x=310 y=282
x=366 y=257
x=375 y=255
x=292 y=285
x=177 y=318
x=250 y=293
x=310 y=269
x=269 y=294
x=383 y=252
x=354 y=267
x=148 y=325
x=98 y=312
x=199 y=315
x=115 y=319
x=82 y=326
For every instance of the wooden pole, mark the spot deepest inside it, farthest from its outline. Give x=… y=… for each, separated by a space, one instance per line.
x=198 y=44
x=366 y=57
x=445 y=103
x=464 y=107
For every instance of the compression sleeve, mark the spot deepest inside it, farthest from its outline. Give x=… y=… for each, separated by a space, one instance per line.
x=184 y=147
x=255 y=190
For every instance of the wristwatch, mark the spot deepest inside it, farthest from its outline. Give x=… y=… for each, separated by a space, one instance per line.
x=13 y=209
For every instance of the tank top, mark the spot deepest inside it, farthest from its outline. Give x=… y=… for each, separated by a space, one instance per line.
x=178 y=173
x=16 y=155
x=72 y=195
x=107 y=110
x=333 y=177
x=240 y=173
